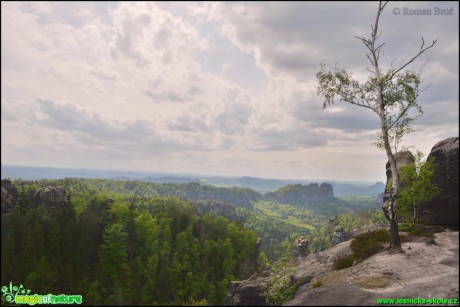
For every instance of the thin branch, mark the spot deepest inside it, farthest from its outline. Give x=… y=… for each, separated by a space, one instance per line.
x=422 y=50
x=403 y=113
x=358 y=104
x=384 y=5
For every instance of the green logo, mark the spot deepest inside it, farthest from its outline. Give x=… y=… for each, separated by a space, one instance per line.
x=20 y=295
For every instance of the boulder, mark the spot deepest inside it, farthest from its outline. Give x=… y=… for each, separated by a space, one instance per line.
x=339 y=236
x=443 y=211
x=300 y=247
x=403 y=158
x=9 y=195
x=248 y=292
x=51 y=196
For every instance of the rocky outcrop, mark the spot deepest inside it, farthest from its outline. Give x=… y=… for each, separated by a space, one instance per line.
x=428 y=265
x=403 y=158
x=339 y=236
x=424 y=270
x=300 y=247
x=52 y=196
x=248 y=292
x=298 y=194
x=9 y=195
x=443 y=210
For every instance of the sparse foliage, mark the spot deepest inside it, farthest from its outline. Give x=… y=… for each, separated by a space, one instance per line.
x=417 y=179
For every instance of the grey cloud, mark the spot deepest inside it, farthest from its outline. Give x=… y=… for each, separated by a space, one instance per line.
x=235 y=115
x=161 y=95
x=125 y=41
x=188 y=124
x=234 y=119
x=88 y=127
x=350 y=118
x=9 y=114
x=273 y=139
x=104 y=74
x=325 y=33
x=160 y=92
x=141 y=136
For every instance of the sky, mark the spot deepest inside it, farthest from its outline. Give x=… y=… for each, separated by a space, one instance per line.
x=213 y=88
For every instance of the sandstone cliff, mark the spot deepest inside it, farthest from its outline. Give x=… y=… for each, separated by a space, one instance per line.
x=10 y=195
x=444 y=209
x=52 y=196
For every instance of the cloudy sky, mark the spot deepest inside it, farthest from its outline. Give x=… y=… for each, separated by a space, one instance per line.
x=222 y=88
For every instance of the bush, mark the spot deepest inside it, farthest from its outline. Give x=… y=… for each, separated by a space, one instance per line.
x=405 y=226
x=374 y=282
x=281 y=293
x=342 y=262
x=369 y=243
x=317 y=283
x=420 y=231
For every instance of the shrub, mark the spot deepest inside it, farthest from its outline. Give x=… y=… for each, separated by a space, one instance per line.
x=369 y=243
x=342 y=262
x=281 y=293
x=405 y=226
x=420 y=231
x=374 y=282
x=317 y=283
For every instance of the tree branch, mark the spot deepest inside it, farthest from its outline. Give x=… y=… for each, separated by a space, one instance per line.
x=402 y=114
x=358 y=104
x=422 y=50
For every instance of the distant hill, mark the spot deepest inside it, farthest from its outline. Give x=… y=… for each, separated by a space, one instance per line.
x=346 y=189
x=259 y=184
x=298 y=194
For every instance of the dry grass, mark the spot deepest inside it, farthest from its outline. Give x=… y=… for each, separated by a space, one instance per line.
x=317 y=283
x=374 y=282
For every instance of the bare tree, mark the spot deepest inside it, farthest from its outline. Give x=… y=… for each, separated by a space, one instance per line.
x=392 y=95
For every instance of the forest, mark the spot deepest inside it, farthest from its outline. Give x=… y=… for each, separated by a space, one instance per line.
x=139 y=243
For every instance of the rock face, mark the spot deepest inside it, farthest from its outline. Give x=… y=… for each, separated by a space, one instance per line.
x=444 y=211
x=9 y=195
x=339 y=236
x=52 y=196
x=249 y=292
x=402 y=158
x=300 y=247
x=423 y=270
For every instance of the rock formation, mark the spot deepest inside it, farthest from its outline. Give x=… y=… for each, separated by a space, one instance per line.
x=443 y=210
x=300 y=247
x=423 y=270
x=339 y=236
x=249 y=292
x=9 y=195
x=402 y=158
x=51 y=196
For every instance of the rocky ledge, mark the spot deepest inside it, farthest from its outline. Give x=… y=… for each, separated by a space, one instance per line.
x=428 y=268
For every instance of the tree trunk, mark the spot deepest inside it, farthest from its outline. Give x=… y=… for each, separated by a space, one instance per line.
x=395 y=239
x=395 y=243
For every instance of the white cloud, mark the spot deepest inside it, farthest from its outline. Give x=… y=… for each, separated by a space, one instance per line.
x=205 y=85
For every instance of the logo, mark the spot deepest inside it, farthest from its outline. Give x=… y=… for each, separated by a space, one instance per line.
x=20 y=295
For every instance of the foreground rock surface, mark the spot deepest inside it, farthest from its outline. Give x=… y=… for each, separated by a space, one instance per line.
x=428 y=268
x=425 y=270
